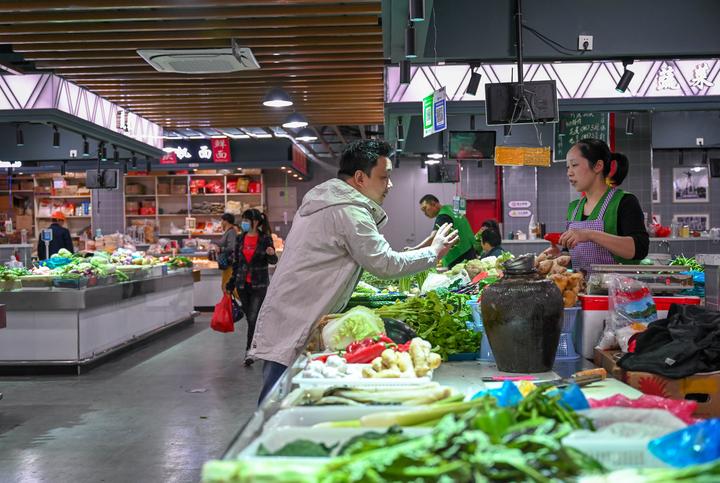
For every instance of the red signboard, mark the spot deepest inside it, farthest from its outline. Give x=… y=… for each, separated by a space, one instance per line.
x=221 y=150
x=169 y=158
x=299 y=160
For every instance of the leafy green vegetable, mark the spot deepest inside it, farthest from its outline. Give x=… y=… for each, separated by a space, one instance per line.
x=356 y=324
x=690 y=262
x=299 y=448
x=440 y=318
x=373 y=440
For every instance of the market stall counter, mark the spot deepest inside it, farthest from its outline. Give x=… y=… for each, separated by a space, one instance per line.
x=76 y=327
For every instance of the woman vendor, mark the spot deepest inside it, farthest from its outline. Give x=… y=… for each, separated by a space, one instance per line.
x=605 y=225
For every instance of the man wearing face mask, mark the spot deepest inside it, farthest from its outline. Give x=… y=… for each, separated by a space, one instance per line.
x=334 y=237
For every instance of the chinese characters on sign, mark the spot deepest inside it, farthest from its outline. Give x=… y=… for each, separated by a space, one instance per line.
x=221 y=150
x=700 y=76
x=169 y=158
x=666 y=78
x=204 y=152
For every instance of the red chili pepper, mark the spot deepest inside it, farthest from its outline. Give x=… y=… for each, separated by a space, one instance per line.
x=403 y=347
x=368 y=341
x=366 y=355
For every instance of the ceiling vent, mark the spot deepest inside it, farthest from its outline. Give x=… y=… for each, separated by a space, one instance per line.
x=201 y=61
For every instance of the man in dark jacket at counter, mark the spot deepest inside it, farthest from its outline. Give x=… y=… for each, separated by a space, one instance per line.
x=61 y=237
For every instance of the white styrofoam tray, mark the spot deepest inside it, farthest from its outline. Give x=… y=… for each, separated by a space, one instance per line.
x=355 y=379
x=274 y=440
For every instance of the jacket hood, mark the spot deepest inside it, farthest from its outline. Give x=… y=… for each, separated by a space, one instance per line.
x=337 y=192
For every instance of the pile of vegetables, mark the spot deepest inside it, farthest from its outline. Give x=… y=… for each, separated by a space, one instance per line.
x=690 y=262
x=478 y=442
x=180 y=262
x=440 y=318
x=12 y=274
x=401 y=395
x=356 y=324
x=413 y=359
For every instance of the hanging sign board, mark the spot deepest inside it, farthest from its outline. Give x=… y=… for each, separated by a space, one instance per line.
x=574 y=126
x=434 y=112
x=221 y=150
x=522 y=156
x=169 y=158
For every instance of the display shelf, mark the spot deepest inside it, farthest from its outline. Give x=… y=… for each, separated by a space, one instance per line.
x=218 y=215
x=139 y=216
x=183 y=195
x=152 y=195
x=62 y=197
x=74 y=217
x=173 y=215
x=194 y=234
x=244 y=194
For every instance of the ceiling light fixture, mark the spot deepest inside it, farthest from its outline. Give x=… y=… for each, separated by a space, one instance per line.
x=410 y=52
x=19 y=137
x=116 y=154
x=417 y=10
x=473 y=83
x=432 y=161
x=404 y=72
x=133 y=160
x=630 y=125
x=306 y=135
x=435 y=156
x=56 y=137
x=63 y=168
x=295 y=121
x=86 y=147
x=627 y=76
x=125 y=167
x=277 y=97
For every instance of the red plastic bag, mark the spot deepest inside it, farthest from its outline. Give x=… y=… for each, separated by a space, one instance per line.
x=222 y=319
x=683 y=409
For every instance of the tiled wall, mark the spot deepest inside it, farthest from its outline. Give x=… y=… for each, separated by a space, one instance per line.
x=519 y=184
x=107 y=207
x=666 y=161
x=554 y=195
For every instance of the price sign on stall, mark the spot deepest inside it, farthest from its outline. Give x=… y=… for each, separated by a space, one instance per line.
x=221 y=150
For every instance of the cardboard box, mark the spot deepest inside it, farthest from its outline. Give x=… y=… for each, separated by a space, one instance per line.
x=163 y=188
x=135 y=189
x=24 y=222
x=703 y=388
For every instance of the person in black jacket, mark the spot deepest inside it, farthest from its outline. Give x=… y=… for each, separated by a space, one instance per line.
x=61 y=237
x=254 y=250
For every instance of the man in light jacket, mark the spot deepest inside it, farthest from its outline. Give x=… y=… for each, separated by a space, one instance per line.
x=334 y=237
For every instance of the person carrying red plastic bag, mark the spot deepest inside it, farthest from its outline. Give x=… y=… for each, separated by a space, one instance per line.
x=222 y=319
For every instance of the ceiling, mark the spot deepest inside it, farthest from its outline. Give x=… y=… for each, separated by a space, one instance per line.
x=327 y=54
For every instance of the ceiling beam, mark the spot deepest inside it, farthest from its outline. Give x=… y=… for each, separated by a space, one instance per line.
x=339 y=134
x=140 y=66
x=165 y=35
x=324 y=141
x=52 y=5
x=79 y=77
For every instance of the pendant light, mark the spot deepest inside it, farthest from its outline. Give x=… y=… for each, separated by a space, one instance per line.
x=306 y=135
x=86 y=147
x=417 y=10
x=410 y=52
x=56 y=137
x=277 y=97
x=19 y=137
x=627 y=76
x=295 y=121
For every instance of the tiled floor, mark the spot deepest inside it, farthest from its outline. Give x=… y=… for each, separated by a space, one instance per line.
x=154 y=414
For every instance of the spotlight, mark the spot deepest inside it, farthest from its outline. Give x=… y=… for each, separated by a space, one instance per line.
x=116 y=154
x=19 y=137
x=306 y=135
x=432 y=161
x=434 y=156
x=472 y=122
x=410 y=42
x=417 y=10
x=400 y=130
x=125 y=167
x=474 y=82
x=277 y=97
x=63 y=168
x=56 y=137
x=627 y=76
x=86 y=147
x=102 y=152
x=630 y=125
x=404 y=72
x=133 y=159
x=295 y=121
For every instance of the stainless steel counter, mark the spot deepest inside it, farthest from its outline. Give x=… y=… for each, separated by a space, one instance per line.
x=71 y=299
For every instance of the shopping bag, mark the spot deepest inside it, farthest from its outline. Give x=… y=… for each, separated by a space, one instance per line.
x=222 y=319
x=237 y=311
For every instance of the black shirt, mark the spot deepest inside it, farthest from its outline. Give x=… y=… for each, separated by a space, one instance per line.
x=631 y=222
x=61 y=239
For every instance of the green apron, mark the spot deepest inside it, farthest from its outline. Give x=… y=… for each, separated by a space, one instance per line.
x=465 y=234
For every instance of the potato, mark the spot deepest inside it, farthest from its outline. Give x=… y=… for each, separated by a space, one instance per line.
x=569 y=298
x=377 y=364
x=544 y=267
x=564 y=260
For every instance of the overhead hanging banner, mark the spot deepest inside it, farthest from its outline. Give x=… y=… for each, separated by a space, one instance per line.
x=522 y=156
x=221 y=150
x=434 y=112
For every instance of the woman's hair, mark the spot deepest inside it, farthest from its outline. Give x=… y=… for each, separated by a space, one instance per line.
x=491 y=225
x=615 y=165
x=229 y=217
x=255 y=215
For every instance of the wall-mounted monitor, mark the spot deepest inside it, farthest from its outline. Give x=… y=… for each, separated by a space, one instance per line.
x=443 y=173
x=509 y=103
x=472 y=144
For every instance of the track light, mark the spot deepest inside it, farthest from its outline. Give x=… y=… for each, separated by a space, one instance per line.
x=116 y=154
x=627 y=76
x=472 y=122
x=19 y=137
x=306 y=135
x=102 y=152
x=410 y=42
x=133 y=159
x=277 y=97
x=295 y=121
x=432 y=161
x=404 y=72
x=148 y=165
x=474 y=83
x=56 y=137
x=630 y=125
x=125 y=167
x=434 y=156
x=63 y=168
x=86 y=147
x=417 y=10
x=400 y=130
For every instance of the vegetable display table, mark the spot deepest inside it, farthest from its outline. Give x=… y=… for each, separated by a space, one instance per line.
x=70 y=327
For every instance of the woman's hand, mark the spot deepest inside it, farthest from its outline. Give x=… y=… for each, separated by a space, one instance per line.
x=571 y=238
x=270 y=251
x=553 y=251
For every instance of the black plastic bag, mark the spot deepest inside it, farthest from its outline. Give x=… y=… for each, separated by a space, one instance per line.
x=237 y=311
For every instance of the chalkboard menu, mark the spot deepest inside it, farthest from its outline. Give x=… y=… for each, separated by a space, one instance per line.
x=574 y=126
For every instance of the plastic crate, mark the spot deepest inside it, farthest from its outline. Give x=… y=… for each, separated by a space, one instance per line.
x=566 y=347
